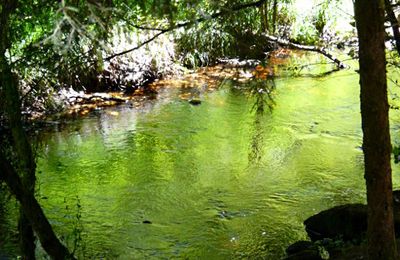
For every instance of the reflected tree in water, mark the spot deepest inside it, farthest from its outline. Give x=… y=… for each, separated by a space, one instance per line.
x=261 y=91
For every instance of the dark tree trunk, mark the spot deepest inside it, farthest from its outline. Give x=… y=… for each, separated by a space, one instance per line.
x=33 y=211
x=375 y=124
x=12 y=107
x=26 y=163
x=23 y=160
x=394 y=23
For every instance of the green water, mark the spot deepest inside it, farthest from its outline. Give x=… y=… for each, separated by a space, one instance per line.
x=216 y=181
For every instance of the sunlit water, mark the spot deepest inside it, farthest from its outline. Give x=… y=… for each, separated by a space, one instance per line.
x=214 y=181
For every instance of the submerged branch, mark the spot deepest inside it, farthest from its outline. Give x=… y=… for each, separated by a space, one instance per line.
x=339 y=63
x=187 y=24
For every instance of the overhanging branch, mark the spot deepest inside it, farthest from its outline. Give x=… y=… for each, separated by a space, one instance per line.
x=339 y=63
x=187 y=24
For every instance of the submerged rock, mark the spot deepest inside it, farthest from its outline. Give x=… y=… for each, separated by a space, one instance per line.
x=300 y=246
x=303 y=250
x=195 y=101
x=340 y=231
x=305 y=255
x=346 y=222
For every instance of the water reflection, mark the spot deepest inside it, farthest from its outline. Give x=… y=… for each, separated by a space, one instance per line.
x=173 y=180
x=262 y=93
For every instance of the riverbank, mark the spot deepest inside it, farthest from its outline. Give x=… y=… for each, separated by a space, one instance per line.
x=192 y=83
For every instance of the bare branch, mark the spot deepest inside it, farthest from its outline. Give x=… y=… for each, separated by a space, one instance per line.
x=339 y=63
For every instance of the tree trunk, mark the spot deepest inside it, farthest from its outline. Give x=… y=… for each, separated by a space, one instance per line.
x=33 y=211
x=375 y=124
x=23 y=159
x=274 y=15
x=12 y=107
x=26 y=163
x=264 y=16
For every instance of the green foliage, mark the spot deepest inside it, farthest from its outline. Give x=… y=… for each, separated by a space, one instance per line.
x=65 y=43
x=200 y=45
x=320 y=18
x=233 y=35
x=318 y=25
x=306 y=34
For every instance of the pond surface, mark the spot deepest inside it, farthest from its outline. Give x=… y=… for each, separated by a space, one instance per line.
x=170 y=180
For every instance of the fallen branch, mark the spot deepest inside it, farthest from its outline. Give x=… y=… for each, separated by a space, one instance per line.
x=339 y=63
x=187 y=24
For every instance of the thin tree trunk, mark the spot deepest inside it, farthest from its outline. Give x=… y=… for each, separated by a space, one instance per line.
x=274 y=15
x=394 y=23
x=375 y=124
x=261 y=9
x=264 y=16
x=12 y=107
x=266 y=20
x=33 y=211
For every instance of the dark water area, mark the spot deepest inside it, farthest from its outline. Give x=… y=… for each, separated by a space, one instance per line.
x=171 y=180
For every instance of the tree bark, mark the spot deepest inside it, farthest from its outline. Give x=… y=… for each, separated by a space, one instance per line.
x=33 y=211
x=375 y=125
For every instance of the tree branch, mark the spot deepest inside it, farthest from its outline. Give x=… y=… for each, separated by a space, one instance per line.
x=339 y=63
x=188 y=23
